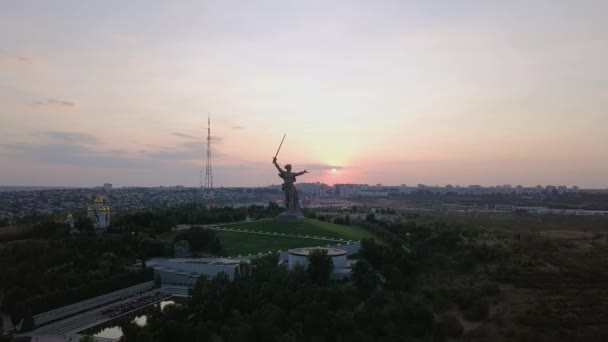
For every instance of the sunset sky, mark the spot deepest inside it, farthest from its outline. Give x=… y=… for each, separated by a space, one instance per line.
x=391 y=92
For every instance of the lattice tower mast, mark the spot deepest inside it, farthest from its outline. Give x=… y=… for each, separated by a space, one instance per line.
x=208 y=186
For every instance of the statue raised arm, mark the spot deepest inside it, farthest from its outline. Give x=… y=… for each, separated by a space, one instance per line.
x=274 y=161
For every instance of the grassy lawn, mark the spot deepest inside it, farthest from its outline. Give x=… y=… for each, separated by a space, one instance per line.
x=167 y=238
x=306 y=227
x=234 y=243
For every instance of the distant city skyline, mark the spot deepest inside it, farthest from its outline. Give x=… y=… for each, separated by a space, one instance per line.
x=387 y=92
x=107 y=187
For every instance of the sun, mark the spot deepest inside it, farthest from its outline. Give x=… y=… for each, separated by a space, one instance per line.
x=333 y=170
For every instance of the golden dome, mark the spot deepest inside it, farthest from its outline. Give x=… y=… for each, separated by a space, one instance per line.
x=99 y=199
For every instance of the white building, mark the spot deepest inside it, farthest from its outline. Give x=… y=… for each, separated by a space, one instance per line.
x=99 y=213
x=313 y=190
x=347 y=190
x=373 y=193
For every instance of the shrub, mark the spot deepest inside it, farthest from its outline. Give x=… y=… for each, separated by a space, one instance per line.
x=479 y=310
x=451 y=326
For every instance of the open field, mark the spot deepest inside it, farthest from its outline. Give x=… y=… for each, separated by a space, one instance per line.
x=553 y=275
x=582 y=200
x=306 y=227
x=234 y=243
x=244 y=243
x=517 y=222
x=247 y=240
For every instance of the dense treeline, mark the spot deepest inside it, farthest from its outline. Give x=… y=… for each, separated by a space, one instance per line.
x=50 y=267
x=386 y=300
x=200 y=239
x=46 y=302
x=56 y=268
x=161 y=220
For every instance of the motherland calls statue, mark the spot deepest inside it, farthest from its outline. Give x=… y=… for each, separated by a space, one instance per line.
x=292 y=202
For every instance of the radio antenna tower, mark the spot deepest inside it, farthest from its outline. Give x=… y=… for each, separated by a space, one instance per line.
x=208 y=186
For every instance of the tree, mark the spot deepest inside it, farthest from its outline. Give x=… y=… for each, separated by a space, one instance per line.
x=7 y=338
x=84 y=224
x=320 y=266
x=18 y=312
x=451 y=326
x=109 y=263
x=148 y=247
x=144 y=336
x=201 y=240
x=208 y=297
x=28 y=322
x=373 y=252
x=364 y=278
x=268 y=269
x=370 y=217
x=47 y=228
x=478 y=311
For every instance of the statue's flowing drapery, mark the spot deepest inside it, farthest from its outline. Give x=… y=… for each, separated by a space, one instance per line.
x=292 y=202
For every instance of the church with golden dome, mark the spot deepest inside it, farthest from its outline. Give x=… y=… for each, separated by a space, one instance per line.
x=99 y=213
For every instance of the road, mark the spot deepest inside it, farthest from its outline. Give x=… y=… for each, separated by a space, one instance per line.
x=91 y=318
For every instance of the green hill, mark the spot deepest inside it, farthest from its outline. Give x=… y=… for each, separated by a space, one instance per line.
x=307 y=227
x=236 y=243
x=273 y=235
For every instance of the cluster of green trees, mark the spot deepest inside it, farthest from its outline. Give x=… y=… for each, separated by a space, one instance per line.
x=388 y=297
x=387 y=211
x=58 y=298
x=54 y=268
x=49 y=267
x=258 y=212
x=162 y=220
x=200 y=239
x=383 y=301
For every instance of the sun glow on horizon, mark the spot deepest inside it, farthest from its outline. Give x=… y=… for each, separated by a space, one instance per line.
x=395 y=93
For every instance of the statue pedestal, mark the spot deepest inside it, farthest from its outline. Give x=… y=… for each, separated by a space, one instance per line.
x=291 y=216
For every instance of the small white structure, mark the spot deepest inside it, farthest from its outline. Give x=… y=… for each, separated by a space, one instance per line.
x=99 y=213
x=300 y=256
x=70 y=222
